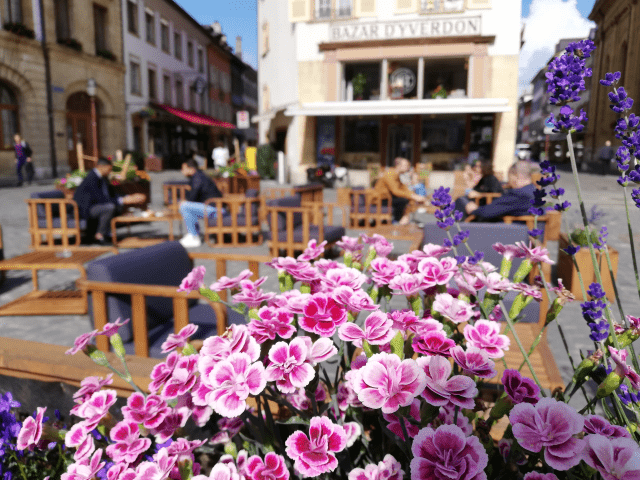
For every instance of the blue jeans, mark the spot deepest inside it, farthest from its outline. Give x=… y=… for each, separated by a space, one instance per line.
x=419 y=189
x=192 y=212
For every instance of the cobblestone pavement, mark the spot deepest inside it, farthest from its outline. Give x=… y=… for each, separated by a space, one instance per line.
x=602 y=192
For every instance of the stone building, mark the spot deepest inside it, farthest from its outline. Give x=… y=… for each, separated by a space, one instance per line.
x=617 y=32
x=78 y=50
x=356 y=82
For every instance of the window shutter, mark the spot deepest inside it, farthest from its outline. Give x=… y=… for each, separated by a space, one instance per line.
x=299 y=10
x=265 y=38
x=365 y=8
x=406 y=6
x=477 y=4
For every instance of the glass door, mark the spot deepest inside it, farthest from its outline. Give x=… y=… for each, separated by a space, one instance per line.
x=400 y=142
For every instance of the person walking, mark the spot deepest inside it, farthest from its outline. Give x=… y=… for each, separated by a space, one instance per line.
x=220 y=156
x=605 y=156
x=23 y=159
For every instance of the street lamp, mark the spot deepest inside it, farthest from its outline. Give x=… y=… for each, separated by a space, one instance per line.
x=91 y=91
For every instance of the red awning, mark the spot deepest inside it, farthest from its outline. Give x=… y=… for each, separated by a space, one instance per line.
x=197 y=117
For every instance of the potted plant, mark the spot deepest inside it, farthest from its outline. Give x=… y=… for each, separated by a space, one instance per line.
x=70 y=182
x=576 y=240
x=359 y=81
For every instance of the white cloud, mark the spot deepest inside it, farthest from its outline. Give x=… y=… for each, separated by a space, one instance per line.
x=547 y=23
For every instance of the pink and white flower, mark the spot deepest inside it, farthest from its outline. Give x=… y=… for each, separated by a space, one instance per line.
x=224 y=283
x=94 y=409
x=176 y=419
x=622 y=369
x=596 y=424
x=394 y=422
x=384 y=270
x=380 y=244
x=509 y=252
x=407 y=284
x=495 y=282
x=451 y=308
x=536 y=253
x=221 y=471
x=354 y=300
x=86 y=469
x=194 y=280
x=613 y=458
x=437 y=272
x=350 y=244
x=251 y=295
x=180 y=339
x=81 y=342
x=485 y=335
x=434 y=342
x=128 y=445
x=388 y=383
x=271 y=323
x=31 y=430
x=353 y=432
x=348 y=277
x=149 y=411
x=474 y=361
x=322 y=315
x=441 y=388
x=377 y=330
x=78 y=437
x=183 y=377
x=315 y=454
x=111 y=329
x=88 y=386
x=237 y=338
x=273 y=467
x=227 y=386
x=432 y=250
x=288 y=366
x=313 y=251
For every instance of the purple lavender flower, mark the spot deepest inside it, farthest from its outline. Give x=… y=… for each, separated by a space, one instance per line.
x=627 y=397
x=596 y=290
x=567 y=121
x=538 y=202
x=446 y=214
x=635 y=196
x=536 y=232
x=620 y=101
x=571 y=249
x=592 y=310
x=610 y=79
x=565 y=78
x=599 y=331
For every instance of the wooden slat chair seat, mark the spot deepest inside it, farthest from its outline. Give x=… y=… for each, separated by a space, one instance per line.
x=139 y=286
x=292 y=225
x=369 y=207
x=241 y=222
x=53 y=217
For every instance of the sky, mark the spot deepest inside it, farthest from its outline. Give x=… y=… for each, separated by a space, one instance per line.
x=546 y=22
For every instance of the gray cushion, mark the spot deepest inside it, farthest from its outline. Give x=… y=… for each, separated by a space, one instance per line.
x=57 y=222
x=331 y=234
x=252 y=193
x=55 y=210
x=292 y=201
x=163 y=264
x=227 y=220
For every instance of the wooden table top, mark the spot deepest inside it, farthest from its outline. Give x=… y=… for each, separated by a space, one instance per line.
x=130 y=217
x=53 y=258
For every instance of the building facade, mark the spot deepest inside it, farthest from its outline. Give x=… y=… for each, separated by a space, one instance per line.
x=166 y=88
x=220 y=54
x=354 y=82
x=79 y=50
x=617 y=23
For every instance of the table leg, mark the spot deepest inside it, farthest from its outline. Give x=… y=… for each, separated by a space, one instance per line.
x=171 y=238
x=114 y=235
x=34 y=278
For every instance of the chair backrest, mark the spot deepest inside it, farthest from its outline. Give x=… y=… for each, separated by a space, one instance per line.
x=142 y=266
x=55 y=209
x=291 y=201
x=51 y=218
x=174 y=192
x=310 y=192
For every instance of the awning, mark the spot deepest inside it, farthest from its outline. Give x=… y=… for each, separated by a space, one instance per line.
x=197 y=117
x=401 y=107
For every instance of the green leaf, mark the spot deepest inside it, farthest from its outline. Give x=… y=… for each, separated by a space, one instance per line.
x=397 y=345
x=295 y=420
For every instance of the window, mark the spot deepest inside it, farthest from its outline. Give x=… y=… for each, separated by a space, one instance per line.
x=134 y=77
x=201 y=98
x=361 y=135
x=132 y=17
x=444 y=134
x=446 y=78
x=190 y=53
x=166 y=89
x=62 y=19
x=179 y=94
x=150 y=26
x=362 y=81
x=153 y=84
x=442 y=6
x=164 y=36
x=200 y=60
x=177 y=45
x=265 y=38
x=12 y=11
x=214 y=77
x=323 y=9
x=100 y=27
x=8 y=117
x=343 y=8
x=192 y=97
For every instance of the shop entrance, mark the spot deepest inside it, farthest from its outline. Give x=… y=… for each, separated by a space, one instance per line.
x=79 y=126
x=400 y=136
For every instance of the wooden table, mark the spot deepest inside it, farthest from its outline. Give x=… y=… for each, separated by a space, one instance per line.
x=410 y=232
x=168 y=216
x=45 y=302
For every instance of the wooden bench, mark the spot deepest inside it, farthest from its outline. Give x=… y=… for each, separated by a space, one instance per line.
x=241 y=224
x=369 y=207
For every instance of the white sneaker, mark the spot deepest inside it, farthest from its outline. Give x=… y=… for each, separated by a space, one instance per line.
x=190 y=241
x=421 y=210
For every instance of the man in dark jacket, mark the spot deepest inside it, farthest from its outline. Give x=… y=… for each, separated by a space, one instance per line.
x=193 y=208
x=97 y=201
x=515 y=201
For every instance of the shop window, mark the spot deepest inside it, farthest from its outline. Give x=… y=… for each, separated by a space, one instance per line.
x=179 y=94
x=132 y=16
x=481 y=136
x=166 y=89
x=402 y=79
x=190 y=53
x=164 y=36
x=150 y=27
x=134 y=77
x=362 y=81
x=12 y=11
x=443 y=134
x=177 y=45
x=343 y=8
x=153 y=84
x=323 y=9
x=62 y=19
x=446 y=78
x=361 y=135
x=8 y=116
x=100 y=28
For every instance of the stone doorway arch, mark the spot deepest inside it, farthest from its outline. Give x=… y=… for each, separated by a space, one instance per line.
x=78 y=113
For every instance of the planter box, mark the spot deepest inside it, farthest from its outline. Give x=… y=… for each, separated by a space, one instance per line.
x=128 y=188
x=569 y=275
x=68 y=192
x=154 y=164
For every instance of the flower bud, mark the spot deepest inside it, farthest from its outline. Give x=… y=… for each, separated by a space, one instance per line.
x=523 y=270
x=369 y=349
x=288 y=282
x=586 y=368
x=416 y=305
x=374 y=293
x=579 y=237
x=97 y=356
x=370 y=256
x=518 y=304
x=348 y=259
x=305 y=288
x=116 y=343
x=505 y=267
x=502 y=407
x=625 y=339
x=609 y=385
x=231 y=449
x=185 y=467
x=209 y=294
x=188 y=349
x=554 y=310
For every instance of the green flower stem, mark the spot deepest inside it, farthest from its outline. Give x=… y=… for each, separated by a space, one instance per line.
x=633 y=248
x=20 y=465
x=573 y=365
x=580 y=280
x=587 y=229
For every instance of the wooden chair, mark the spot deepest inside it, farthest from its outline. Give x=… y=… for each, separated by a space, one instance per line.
x=369 y=207
x=51 y=219
x=173 y=193
x=292 y=225
x=152 y=288
x=241 y=222
x=309 y=193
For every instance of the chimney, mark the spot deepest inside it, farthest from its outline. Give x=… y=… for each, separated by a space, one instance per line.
x=239 y=47
x=223 y=39
x=216 y=27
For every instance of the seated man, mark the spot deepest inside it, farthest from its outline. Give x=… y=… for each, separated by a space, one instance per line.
x=389 y=183
x=193 y=208
x=516 y=200
x=97 y=201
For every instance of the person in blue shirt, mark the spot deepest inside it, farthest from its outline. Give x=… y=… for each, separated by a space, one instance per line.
x=516 y=200
x=98 y=202
x=192 y=208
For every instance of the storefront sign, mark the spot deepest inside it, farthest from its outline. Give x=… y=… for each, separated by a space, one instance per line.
x=242 y=119
x=423 y=27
